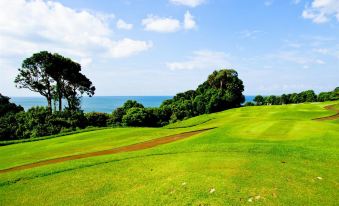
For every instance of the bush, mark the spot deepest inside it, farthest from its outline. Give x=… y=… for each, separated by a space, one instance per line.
x=136 y=117
x=248 y=104
x=97 y=119
x=8 y=127
x=39 y=121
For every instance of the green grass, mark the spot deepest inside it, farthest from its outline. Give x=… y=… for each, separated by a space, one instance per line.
x=274 y=153
x=33 y=139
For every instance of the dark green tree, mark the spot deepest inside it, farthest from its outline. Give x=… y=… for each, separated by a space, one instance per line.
x=259 y=100
x=33 y=76
x=97 y=119
x=7 y=107
x=136 y=117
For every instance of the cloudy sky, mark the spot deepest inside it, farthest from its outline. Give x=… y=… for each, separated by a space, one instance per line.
x=162 y=47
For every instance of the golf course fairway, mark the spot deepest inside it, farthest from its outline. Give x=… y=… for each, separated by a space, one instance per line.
x=260 y=155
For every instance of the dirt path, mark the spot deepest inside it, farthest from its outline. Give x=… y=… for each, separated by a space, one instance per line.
x=128 y=148
x=332 y=117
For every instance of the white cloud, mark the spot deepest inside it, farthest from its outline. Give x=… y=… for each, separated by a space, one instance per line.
x=158 y=24
x=190 y=3
x=168 y=24
x=322 y=11
x=189 y=22
x=121 y=24
x=31 y=26
x=125 y=47
x=203 y=59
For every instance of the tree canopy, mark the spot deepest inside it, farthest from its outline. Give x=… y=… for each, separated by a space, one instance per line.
x=56 y=78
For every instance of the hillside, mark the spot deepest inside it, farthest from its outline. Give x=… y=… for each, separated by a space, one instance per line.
x=267 y=155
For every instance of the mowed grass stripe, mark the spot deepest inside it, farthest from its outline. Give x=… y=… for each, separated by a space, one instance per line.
x=129 y=148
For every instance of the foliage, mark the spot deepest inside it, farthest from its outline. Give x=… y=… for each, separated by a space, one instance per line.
x=116 y=118
x=294 y=98
x=7 y=107
x=247 y=104
x=38 y=122
x=136 y=117
x=97 y=119
x=222 y=90
x=54 y=77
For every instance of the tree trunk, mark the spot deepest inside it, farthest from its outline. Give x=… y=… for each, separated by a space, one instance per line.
x=54 y=105
x=68 y=102
x=49 y=104
x=60 y=96
x=60 y=103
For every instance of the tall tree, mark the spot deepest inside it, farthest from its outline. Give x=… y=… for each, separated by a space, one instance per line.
x=33 y=76
x=57 y=71
x=75 y=85
x=229 y=87
x=55 y=77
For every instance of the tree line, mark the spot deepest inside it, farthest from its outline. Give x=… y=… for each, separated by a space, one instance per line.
x=222 y=90
x=295 y=98
x=58 y=79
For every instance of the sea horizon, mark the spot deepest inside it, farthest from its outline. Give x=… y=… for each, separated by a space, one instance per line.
x=104 y=104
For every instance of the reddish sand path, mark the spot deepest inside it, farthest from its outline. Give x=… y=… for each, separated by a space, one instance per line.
x=332 y=117
x=128 y=148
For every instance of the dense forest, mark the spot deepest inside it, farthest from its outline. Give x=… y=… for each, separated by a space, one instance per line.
x=58 y=78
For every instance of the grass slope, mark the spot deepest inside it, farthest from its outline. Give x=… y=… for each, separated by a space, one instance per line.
x=269 y=155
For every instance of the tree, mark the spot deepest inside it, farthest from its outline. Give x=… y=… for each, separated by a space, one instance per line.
x=284 y=99
x=131 y=104
x=54 y=77
x=136 y=117
x=231 y=87
x=294 y=98
x=222 y=90
x=335 y=94
x=7 y=107
x=307 y=96
x=97 y=119
x=270 y=100
x=259 y=100
x=71 y=83
x=8 y=127
x=199 y=105
x=118 y=113
x=116 y=117
x=75 y=86
x=324 y=96
x=248 y=104
x=33 y=76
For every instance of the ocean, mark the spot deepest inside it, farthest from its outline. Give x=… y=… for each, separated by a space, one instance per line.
x=100 y=103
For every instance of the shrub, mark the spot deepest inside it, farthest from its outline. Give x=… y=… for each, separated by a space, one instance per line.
x=97 y=119
x=247 y=104
x=136 y=117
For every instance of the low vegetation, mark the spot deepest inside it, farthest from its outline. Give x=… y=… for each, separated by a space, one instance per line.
x=295 y=98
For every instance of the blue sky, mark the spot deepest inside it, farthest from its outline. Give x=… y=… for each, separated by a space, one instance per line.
x=147 y=47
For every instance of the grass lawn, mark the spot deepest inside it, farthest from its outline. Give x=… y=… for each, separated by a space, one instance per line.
x=269 y=155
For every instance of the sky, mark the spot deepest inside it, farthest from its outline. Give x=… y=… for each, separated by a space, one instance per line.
x=162 y=47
